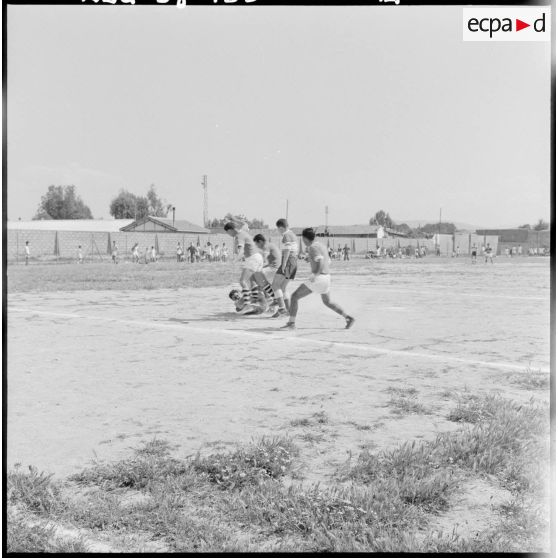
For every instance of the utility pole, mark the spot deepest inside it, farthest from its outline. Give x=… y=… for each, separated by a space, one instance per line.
x=326 y=218
x=287 y=212
x=205 y=201
x=173 y=210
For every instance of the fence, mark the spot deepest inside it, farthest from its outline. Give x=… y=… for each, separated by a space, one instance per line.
x=64 y=245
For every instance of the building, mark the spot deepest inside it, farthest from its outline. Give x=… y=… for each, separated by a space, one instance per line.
x=163 y=225
x=354 y=231
x=527 y=239
x=70 y=225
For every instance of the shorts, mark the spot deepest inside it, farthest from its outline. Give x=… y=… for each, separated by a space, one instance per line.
x=269 y=273
x=290 y=268
x=474 y=253
x=253 y=263
x=320 y=285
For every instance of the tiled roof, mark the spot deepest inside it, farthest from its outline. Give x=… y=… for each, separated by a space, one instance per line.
x=180 y=225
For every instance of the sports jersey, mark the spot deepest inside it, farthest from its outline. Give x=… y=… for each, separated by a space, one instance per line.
x=274 y=256
x=243 y=239
x=289 y=242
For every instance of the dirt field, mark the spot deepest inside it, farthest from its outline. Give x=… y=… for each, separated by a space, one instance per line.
x=92 y=373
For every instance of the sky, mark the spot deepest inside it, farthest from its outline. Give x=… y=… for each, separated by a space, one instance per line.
x=354 y=108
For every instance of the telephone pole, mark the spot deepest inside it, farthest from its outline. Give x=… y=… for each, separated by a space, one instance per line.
x=287 y=213
x=327 y=218
x=205 y=201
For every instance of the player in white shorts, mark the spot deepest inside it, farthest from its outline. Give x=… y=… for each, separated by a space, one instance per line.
x=319 y=282
x=272 y=259
x=252 y=261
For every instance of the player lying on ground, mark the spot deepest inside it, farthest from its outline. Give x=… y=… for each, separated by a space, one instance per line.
x=319 y=282
x=287 y=268
x=236 y=296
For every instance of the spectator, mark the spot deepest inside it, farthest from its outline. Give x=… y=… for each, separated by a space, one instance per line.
x=114 y=252
x=80 y=255
x=346 y=252
x=179 y=253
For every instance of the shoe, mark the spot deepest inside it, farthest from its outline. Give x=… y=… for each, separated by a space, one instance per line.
x=280 y=312
x=350 y=322
x=288 y=325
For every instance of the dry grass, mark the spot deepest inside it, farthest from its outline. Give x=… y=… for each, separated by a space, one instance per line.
x=125 y=276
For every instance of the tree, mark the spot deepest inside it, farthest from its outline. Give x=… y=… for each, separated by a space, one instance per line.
x=434 y=228
x=157 y=206
x=62 y=202
x=382 y=218
x=252 y=223
x=403 y=228
x=541 y=226
x=129 y=206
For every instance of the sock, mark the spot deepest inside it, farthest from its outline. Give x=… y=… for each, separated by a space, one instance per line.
x=268 y=291
x=245 y=296
x=255 y=294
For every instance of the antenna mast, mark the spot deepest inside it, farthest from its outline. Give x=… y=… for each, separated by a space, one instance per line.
x=205 y=201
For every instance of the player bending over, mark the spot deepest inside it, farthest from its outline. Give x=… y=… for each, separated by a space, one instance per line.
x=272 y=257
x=252 y=262
x=319 y=282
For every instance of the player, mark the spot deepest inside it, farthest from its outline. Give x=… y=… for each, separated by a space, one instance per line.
x=27 y=252
x=80 y=255
x=265 y=278
x=135 y=253
x=474 y=254
x=318 y=282
x=236 y=296
x=179 y=253
x=252 y=261
x=287 y=268
x=114 y=252
x=488 y=254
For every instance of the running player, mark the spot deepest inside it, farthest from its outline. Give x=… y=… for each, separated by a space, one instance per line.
x=287 y=268
x=252 y=260
x=319 y=282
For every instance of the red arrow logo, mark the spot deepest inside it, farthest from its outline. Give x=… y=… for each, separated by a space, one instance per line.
x=519 y=25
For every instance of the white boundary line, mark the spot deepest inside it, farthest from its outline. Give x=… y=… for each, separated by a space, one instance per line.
x=303 y=340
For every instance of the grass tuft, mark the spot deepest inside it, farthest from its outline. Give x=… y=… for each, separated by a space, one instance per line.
x=33 y=490
x=150 y=462
x=265 y=458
